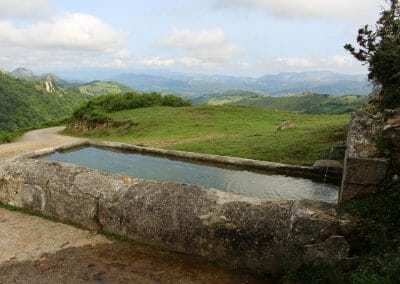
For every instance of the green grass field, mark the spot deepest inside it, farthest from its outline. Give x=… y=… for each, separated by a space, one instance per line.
x=229 y=130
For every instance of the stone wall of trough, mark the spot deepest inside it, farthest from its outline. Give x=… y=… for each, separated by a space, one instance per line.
x=252 y=233
x=364 y=170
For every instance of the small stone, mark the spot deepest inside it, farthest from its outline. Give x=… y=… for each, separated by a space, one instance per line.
x=127 y=180
x=286 y=125
x=386 y=127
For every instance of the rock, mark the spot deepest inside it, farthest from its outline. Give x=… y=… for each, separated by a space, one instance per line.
x=257 y=234
x=386 y=127
x=378 y=116
x=394 y=120
x=363 y=177
x=336 y=247
x=286 y=125
x=391 y=133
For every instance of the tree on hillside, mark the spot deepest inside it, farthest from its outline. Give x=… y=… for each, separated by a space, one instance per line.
x=379 y=48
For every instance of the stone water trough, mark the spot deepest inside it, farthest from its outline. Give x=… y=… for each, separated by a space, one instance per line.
x=252 y=233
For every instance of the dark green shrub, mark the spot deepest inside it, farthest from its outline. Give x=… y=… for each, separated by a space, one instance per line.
x=174 y=101
x=96 y=109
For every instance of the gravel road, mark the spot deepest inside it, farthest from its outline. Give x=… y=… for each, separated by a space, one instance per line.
x=35 y=140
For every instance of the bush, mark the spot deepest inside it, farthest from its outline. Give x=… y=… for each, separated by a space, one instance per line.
x=4 y=137
x=174 y=101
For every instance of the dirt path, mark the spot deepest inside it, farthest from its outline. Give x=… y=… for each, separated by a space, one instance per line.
x=35 y=140
x=35 y=250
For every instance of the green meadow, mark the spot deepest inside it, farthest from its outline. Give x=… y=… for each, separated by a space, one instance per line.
x=227 y=130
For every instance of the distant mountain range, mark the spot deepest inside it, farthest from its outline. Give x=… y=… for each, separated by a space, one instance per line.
x=26 y=74
x=272 y=85
x=193 y=85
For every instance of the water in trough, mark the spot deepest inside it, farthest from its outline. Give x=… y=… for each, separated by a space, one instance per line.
x=247 y=183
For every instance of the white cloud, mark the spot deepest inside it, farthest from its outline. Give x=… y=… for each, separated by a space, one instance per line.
x=22 y=9
x=304 y=9
x=194 y=62
x=206 y=45
x=64 y=39
x=337 y=63
x=180 y=62
x=192 y=40
x=156 y=62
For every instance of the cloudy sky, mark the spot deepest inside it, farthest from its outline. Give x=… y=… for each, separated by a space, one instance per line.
x=236 y=37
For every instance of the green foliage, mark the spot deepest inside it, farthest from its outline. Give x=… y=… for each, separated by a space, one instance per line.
x=380 y=49
x=228 y=130
x=5 y=137
x=98 y=88
x=308 y=103
x=97 y=116
x=25 y=104
x=97 y=109
x=174 y=101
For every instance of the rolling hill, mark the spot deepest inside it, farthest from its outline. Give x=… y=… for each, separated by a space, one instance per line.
x=226 y=97
x=307 y=103
x=97 y=88
x=26 y=103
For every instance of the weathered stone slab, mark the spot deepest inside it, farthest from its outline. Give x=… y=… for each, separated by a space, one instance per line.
x=66 y=192
x=248 y=232
x=364 y=171
x=329 y=166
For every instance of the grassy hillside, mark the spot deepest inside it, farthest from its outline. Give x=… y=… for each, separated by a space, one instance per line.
x=312 y=103
x=25 y=103
x=225 y=98
x=97 y=110
x=228 y=130
x=97 y=88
